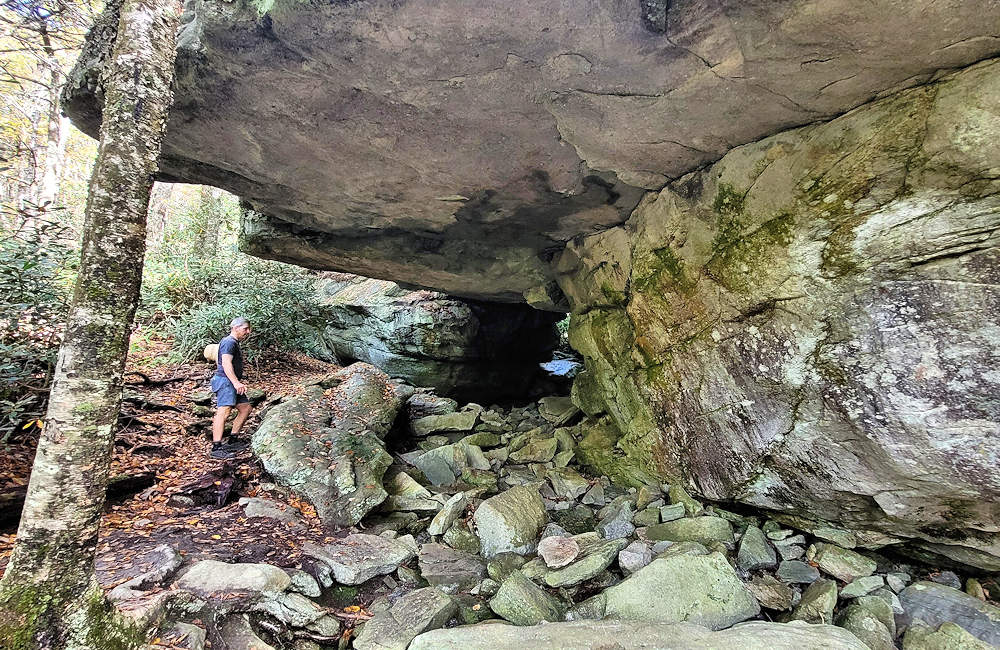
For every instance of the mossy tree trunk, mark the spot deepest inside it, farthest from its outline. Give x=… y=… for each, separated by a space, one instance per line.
x=49 y=597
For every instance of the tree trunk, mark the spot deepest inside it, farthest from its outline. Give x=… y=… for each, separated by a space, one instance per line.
x=55 y=140
x=49 y=596
x=210 y=209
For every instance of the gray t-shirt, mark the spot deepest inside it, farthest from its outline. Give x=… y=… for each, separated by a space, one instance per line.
x=229 y=345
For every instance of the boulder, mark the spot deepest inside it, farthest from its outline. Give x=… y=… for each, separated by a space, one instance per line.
x=412 y=614
x=450 y=569
x=510 y=521
x=704 y=530
x=698 y=589
x=447 y=423
x=711 y=348
x=947 y=636
x=522 y=602
x=632 y=634
x=755 y=552
x=210 y=577
x=327 y=444
x=817 y=604
x=635 y=556
x=360 y=557
x=595 y=558
x=842 y=563
x=450 y=511
x=935 y=604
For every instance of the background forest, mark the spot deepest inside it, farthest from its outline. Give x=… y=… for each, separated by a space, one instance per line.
x=195 y=279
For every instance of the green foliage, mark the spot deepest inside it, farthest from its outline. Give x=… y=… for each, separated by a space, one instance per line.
x=195 y=282
x=35 y=286
x=278 y=299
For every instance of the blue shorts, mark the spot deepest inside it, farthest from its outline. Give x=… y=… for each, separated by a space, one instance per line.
x=225 y=392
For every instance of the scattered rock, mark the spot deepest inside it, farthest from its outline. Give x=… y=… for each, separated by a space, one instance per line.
x=693 y=529
x=935 y=604
x=423 y=404
x=595 y=559
x=679 y=495
x=443 y=520
x=210 y=577
x=567 y=483
x=558 y=551
x=536 y=451
x=842 y=563
x=450 y=569
x=818 y=602
x=522 y=602
x=617 y=524
x=796 y=572
x=557 y=410
x=672 y=512
x=863 y=624
x=595 y=496
x=947 y=578
x=632 y=634
x=699 y=589
x=237 y=634
x=360 y=557
x=771 y=592
x=862 y=587
x=755 y=552
x=456 y=421
x=510 y=521
x=412 y=614
x=634 y=557
x=948 y=636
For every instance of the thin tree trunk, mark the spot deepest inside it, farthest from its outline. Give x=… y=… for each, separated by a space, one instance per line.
x=55 y=140
x=211 y=200
x=49 y=596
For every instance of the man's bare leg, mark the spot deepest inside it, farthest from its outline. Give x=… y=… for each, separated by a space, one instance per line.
x=242 y=413
x=219 y=422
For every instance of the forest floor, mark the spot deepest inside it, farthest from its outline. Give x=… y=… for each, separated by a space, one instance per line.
x=162 y=439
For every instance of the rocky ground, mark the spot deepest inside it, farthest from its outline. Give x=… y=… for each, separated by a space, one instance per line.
x=472 y=527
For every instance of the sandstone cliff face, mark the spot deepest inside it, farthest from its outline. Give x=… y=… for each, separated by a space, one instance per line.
x=812 y=324
x=458 y=145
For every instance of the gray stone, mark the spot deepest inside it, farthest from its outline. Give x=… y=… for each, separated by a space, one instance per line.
x=402 y=484
x=186 y=636
x=678 y=495
x=237 y=634
x=693 y=529
x=422 y=404
x=935 y=604
x=461 y=538
x=867 y=627
x=818 y=602
x=510 y=521
x=452 y=510
x=947 y=578
x=558 y=551
x=210 y=577
x=843 y=564
x=794 y=571
x=163 y=561
x=327 y=446
x=672 y=512
x=536 y=451
x=270 y=509
x=443 y=465
x=522 y=602
x=359 y=557
x=755 y=552
x=450 y=569
x=947 y=636
x=634 y=557
x=553 y=528
x=618 y=522
x=557 y=410
x=897 y=581
x=586 y=634
x=595 y=496
x=771 y=593
x=567 y=483
x=699 y=589
x=412 y=614
x=482 y=440
x=862 y=587
x=595 y=559
x=304 y=583
x=449 y=422
x=647 y=517
x=503 y=564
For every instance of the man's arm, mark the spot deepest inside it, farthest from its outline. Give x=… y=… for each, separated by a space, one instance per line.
x=227 y=366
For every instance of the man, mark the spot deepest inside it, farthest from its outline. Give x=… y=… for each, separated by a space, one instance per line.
x=229 y=389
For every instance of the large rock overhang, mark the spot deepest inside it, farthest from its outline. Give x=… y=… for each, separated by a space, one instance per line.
x=458 y=146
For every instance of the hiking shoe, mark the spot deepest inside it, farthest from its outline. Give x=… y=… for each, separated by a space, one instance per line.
x=221 y=453
x=234 y=445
